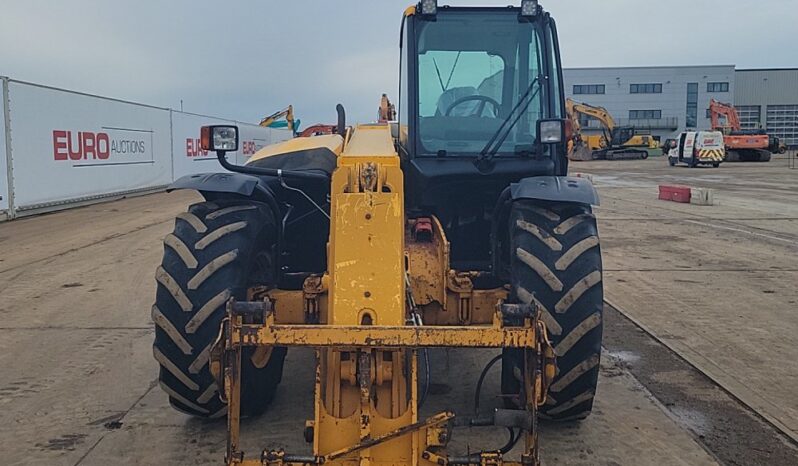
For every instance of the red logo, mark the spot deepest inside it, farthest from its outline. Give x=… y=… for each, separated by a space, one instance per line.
x=194 y=149
x=248 y=147
x=85 y=146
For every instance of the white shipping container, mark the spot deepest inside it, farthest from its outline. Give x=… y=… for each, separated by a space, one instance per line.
x=5 y=193
x=69 y=146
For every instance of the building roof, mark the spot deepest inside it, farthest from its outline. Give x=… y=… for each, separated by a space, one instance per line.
x=767 y=69
x=645 y=67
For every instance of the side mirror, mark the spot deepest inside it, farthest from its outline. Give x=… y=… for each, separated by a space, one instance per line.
x=551 y=131
x=219 y=138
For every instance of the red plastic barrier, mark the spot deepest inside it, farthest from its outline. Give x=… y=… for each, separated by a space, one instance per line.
x=674 y=193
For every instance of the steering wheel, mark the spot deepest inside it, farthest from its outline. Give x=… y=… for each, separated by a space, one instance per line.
x=483 y=99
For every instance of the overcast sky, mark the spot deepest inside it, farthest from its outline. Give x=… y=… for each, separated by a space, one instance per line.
x=243 y=59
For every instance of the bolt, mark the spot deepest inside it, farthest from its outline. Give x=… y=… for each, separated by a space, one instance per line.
x=367 y=294
x=425 y=455
x=368 y=216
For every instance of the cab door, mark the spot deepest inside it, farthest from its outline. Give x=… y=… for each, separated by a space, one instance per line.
x=689 y=145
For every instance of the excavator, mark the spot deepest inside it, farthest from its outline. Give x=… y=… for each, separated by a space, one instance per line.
x=282 y=119
x=616 y=143
x=285 y=119
x=741 y=145
x=454 y=226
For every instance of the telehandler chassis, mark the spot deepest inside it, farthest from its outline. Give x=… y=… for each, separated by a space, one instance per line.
x=363 y=319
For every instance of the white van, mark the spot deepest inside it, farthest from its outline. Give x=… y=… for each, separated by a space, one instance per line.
x=697 y=147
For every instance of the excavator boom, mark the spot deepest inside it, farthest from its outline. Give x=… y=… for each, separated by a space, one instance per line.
x=282 y=119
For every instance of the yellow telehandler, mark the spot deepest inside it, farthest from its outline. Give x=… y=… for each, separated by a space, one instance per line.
x=454 y=227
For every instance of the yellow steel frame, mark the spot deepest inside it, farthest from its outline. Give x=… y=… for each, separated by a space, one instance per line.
x=357 y=318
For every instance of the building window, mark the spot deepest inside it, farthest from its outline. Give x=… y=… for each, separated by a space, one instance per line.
x=692 y=105
x=652 y=88
x=588 y=88
x=750 y=116
x=645 y=114
x=782 y=122
x=717 y=87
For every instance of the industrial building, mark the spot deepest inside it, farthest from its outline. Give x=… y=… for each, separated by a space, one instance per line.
x=665 y=100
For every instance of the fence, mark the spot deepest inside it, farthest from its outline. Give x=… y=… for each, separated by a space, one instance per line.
x=60 y=148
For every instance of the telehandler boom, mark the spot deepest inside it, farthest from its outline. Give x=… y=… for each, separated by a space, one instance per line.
x=455 y=227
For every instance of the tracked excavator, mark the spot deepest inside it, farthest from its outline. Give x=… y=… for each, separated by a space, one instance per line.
x=457 y=226
x=615 y=142
x=741 y=145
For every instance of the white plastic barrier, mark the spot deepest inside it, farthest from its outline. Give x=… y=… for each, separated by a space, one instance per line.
x=189 y=158
x=69 y=147
x=5 y=193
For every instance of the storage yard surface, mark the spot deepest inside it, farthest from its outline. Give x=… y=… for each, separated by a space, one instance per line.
x=701 y=327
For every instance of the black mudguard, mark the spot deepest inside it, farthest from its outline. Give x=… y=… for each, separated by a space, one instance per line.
x=556 y=188
x=231 y=183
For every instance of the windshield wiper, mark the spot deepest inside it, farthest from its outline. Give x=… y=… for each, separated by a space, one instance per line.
x=495 y=142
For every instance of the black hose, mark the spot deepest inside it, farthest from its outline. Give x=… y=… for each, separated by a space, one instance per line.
x=481 y=380
x=513 y=440
x=427 y=379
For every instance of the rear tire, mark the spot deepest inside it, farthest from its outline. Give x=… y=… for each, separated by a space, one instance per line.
x=556 y=261
x=671 y=161
x=715 y=165
x=217 y=251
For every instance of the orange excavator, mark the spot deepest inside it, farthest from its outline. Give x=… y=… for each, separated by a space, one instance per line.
x=741 y=145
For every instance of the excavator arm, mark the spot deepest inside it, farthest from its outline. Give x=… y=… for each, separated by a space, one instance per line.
x=719 y=109
x=599 y=113
x=274 y=120
x=580 y=150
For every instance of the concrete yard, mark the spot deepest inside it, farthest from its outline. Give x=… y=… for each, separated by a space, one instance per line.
x=717 y=284
x=691 y=290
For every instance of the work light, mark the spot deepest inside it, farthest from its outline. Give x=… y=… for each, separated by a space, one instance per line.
x=530 y=8
x=220 y=138
x=428 y=7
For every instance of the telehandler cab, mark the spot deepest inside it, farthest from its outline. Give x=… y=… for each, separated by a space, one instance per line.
x=455 y=227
